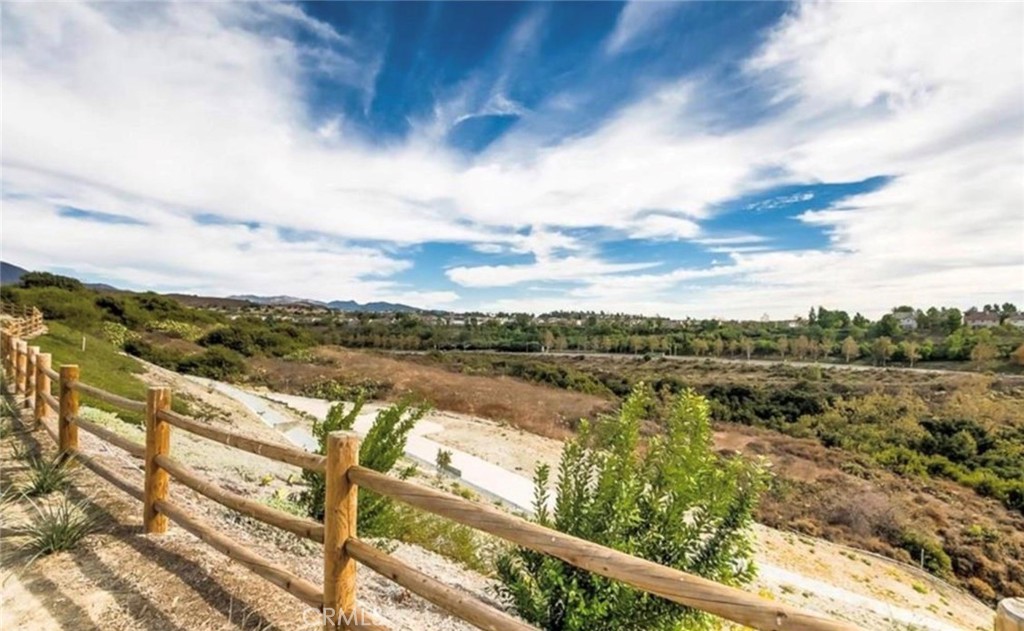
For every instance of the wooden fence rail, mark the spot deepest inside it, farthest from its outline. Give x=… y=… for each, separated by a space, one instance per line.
x=342 y=549
x=21 y=321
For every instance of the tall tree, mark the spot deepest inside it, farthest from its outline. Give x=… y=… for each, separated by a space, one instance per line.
x=911 y=351
x=982 y=353
x=882 y=349
x=801 y=347
x=850 y=348
x=748 y=346
x=548 y=341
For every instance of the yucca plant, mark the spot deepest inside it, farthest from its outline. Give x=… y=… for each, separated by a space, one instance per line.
x=56 y=527
x=20 y=451
x=46 y=475
x=8 y=493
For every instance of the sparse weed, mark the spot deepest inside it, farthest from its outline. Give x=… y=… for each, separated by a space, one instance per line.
x=281 y=501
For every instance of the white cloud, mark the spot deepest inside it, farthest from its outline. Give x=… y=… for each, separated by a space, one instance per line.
x=569 y=268
x=638 y=18
x=654 y=226
x=731 y=240
x=779 y=202
x=489 y=248
x=197 y=108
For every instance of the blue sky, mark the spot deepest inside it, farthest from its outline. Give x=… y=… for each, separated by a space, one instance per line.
x=691 y=158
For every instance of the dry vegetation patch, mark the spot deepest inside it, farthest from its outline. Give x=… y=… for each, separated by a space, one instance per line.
x=540 y=409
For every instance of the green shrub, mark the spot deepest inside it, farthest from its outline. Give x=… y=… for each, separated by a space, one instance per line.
x=921 y=548
x=676 y=504
x=215 y=362
x=903 y=461
x=259 y=337
x=175 y=328
x=341 y=390
x=383 y=445
x=31 y=280
x=454 y=541
x=163 y=357
x=117 y=334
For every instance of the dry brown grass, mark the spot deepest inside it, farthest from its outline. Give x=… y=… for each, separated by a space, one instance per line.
x=822 y=492
x=539 y=409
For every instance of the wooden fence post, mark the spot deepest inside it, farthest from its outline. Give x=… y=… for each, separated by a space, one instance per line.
x=67 y=431
x=43 y=362
x=5 y=349
x=1010 y=615
x=30 y=377
x=340 y=515
x=22 y=357
x=158 y=442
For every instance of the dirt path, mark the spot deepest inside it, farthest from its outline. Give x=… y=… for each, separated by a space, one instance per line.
x=117 y=578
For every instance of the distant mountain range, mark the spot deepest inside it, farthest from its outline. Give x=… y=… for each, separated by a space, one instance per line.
x=10 y=274
x=337 y=305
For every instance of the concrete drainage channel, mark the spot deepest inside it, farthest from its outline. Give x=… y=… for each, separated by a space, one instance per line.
x=485 y=478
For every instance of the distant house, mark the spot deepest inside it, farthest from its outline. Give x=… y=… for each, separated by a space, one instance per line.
x=906 y=319
x=981 y=319
x=796 y=323
x=1017 y=320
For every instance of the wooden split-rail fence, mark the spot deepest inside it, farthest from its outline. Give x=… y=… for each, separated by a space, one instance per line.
x=21 y=321
x=34 y=379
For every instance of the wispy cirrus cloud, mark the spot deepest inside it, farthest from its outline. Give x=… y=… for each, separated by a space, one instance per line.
x=205 y=109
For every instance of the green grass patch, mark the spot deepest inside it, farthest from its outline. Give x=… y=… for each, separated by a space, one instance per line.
x=102 y=365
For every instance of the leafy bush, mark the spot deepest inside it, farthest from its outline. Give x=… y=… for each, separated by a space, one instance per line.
x=342 y=390
x=117 y=333
x=30 y=280
x=930 y=551
x=216 y=362
x=162 y=357
x=175 y=328
x=676 y=503
x=454 y=541
x=380 y=450
x=258 y=337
